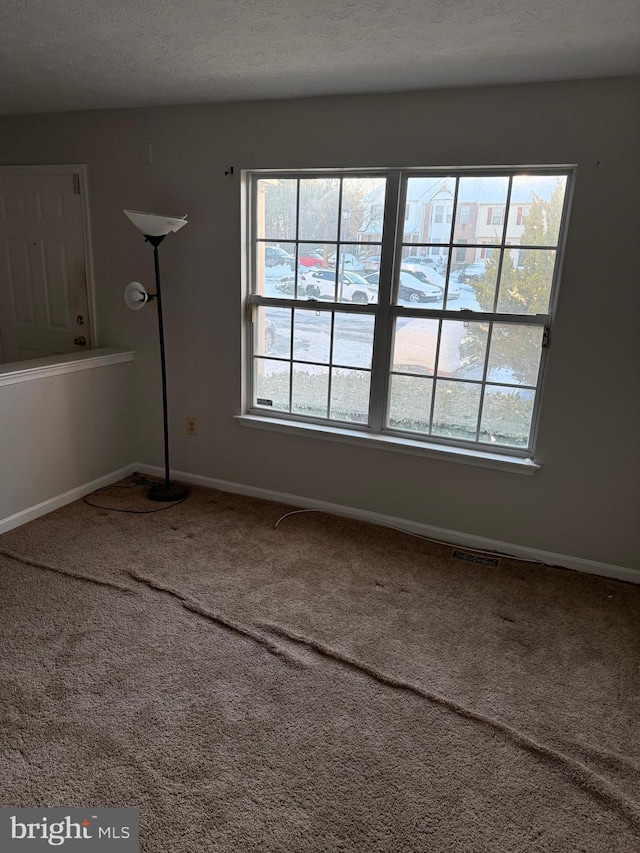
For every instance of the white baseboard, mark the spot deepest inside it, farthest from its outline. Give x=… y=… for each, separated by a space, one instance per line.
x=451 y=537
x=56 y=502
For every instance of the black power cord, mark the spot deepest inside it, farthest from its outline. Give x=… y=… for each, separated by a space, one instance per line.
x=138 y=480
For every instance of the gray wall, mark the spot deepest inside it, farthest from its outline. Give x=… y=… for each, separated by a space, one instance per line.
x=584 y=501
x=62 y=432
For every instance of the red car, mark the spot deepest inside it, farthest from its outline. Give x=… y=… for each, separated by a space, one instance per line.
x=310 y=259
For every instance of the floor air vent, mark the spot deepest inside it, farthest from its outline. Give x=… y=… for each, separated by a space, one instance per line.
x=475 y=558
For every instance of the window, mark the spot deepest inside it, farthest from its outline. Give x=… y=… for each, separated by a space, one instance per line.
x=465 y=214
x=443 y=353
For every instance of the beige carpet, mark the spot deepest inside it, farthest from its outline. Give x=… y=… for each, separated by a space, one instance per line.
x=323 y=686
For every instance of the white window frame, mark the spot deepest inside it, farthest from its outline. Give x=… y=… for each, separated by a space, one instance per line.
x=393 y=237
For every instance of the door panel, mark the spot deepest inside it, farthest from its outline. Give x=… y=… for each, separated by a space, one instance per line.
x=21 y=283
x=42 y=267
x=55 y=282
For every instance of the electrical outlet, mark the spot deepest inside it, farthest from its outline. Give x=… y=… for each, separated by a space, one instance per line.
x=192 y=426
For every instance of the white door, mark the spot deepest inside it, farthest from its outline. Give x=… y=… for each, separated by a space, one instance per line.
x=43 y=285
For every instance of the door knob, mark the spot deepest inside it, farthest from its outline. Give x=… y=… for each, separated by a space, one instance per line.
x=81 y=341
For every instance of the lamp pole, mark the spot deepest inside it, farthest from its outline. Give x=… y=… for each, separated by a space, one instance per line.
x=155 y=242
x=155 y=228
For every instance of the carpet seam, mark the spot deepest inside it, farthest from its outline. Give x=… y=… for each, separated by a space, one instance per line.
x=67 y=572
x=223 y=621
x=581 y=774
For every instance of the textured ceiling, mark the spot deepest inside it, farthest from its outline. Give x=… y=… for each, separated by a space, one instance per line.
x=84 y=54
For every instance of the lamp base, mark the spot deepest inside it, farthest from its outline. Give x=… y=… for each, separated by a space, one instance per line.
x=174 y=492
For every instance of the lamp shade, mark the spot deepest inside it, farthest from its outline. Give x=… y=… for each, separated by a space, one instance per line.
x=135 y=296
x=155 y=224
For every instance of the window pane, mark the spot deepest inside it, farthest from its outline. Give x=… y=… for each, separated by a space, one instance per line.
x=317 y=283
x=458 y=298
x=456 y=409
x=272 y=331
x=319 y=208
x=314 y=255
x=349 y=263
x=480 y=211
x=479 y=278
x=362 y=209
x=347 y=259
x=310 y=390
x=425 y=259
x=420 y=287
x=350 y=395
x=353 y=340
x=271 y=384
x=344 y=280
x=535 y=210
x=312 y=335
x=429 y=209
x=463 y=347
x=525 y=281
x=515 y=354
x=414 y=346
x=506 y=416
x=276 y=208
x=275 y=264
x=371 y=258
x=410 y=403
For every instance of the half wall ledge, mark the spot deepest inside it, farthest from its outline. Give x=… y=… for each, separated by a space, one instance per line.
x=15 y=372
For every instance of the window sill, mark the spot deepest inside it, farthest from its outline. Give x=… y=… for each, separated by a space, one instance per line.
x=479 y=458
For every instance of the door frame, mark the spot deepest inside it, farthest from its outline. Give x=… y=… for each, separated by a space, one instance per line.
x=79 y=169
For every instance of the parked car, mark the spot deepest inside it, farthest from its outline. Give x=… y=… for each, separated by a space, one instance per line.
x=372 y=263
x=310 y=259
x=347 y=261
x=274 y=256
x=418 y=261
x=473 y=272
x=411 y=288
x=351 y=287
x=430 y=276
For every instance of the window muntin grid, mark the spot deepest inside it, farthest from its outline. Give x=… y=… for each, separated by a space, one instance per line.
x=313 y=363
x=309 y=223
x=487 y=388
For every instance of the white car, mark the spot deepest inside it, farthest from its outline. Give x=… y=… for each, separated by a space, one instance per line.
x=351 y=287
x=414 y=289
x=429 y=276
x=420 y=263
x=473 y=272
x=411 y=288
x=347 y=261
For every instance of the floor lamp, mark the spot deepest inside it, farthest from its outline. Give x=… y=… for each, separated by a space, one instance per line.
x=155 y=228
